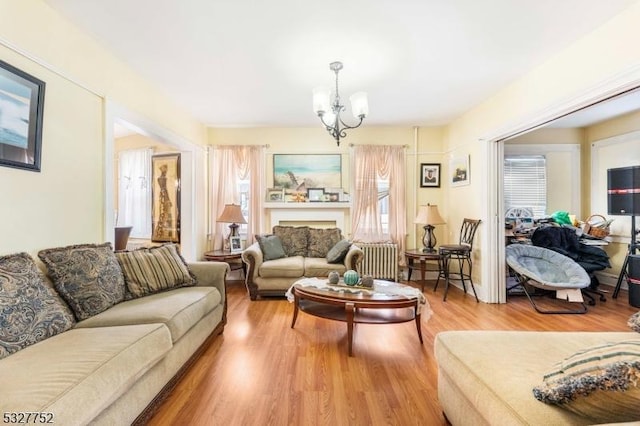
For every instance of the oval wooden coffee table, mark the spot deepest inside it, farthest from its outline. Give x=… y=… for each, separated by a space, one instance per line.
x=364 y=307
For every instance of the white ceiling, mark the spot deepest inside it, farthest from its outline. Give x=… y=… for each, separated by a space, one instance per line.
x=254 y=63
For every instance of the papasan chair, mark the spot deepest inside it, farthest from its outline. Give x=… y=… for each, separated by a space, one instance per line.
x=548 y=270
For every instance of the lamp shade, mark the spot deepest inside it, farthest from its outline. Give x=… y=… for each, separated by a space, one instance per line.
x=359 y=104
x=321 y=100
x=231 y=214
x=429 y=215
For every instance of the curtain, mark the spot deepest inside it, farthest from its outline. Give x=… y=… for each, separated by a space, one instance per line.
x=369 y=163
x=227 y=165
x=134 y=191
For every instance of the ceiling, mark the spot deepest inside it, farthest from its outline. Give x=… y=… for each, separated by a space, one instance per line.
x=251 y=63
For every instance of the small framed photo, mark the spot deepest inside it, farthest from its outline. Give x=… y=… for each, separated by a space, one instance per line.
x=236 y=244
x=332 y=197
x=275 y=195
x=430 y=175
x=459 y=170
x=315 y=194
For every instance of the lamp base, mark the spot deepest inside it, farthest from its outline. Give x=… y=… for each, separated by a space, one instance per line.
x=429 y=240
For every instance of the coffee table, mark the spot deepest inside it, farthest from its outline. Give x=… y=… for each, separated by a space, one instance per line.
x=387 y=303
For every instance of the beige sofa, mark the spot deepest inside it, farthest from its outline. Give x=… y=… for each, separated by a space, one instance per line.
x=306 y=250
x=487 y=377
x=115 y=367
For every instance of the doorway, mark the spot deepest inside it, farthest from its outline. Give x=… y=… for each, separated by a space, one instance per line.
x=192 y=175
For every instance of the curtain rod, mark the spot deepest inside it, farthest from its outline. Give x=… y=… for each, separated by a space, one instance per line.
x=351 y=145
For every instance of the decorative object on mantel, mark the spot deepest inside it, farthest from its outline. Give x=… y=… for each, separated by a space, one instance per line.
x=232 y=214
x=429 y=216
x=329 y=112
x=21 y=125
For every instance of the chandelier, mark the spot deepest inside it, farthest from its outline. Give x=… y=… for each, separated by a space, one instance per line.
x=329 y=112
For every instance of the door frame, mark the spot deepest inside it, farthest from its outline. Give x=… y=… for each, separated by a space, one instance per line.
x=494 y=264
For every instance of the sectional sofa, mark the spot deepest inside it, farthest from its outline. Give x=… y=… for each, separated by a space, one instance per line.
x=496 y=377
x=72 y=353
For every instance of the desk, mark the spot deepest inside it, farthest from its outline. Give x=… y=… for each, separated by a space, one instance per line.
x=234 y=260
x=422 y=257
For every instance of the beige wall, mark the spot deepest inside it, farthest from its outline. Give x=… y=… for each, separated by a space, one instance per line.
x=607 y=129
x=316 y=140
x=64 y=204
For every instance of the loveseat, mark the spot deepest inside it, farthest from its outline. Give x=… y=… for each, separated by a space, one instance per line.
x=97 y=344
x=489 y=377
x=279 y=259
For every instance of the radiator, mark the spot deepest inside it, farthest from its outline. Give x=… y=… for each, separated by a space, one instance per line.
x=380 y=260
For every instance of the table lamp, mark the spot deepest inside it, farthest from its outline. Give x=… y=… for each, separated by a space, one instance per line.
x=233 y=215
x=429 y=216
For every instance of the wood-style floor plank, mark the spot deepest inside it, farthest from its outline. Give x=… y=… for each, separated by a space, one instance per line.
x=262 y=372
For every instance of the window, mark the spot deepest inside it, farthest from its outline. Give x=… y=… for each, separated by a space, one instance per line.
x=525 y=183
x=134 y=192
x=242 y=186
x=383 y=205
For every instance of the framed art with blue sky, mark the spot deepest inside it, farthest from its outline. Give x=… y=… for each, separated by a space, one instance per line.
x=21 y=109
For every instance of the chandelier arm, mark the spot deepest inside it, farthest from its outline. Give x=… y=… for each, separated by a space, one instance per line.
x=347 y=127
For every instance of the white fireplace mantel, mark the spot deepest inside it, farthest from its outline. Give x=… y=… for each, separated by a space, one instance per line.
x=309 y=212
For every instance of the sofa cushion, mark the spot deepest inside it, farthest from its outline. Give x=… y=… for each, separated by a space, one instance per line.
x=471 y=368
x=30 y=311
x=338 y=252
x=151 y=270
x=271 y=247
x=322 y=240
x=294 y=239
x=634 y=322
x=87 y=276
x=178 y=309
x=601 y=382
x=77 y=374
x=319 y=267
x=288 y=267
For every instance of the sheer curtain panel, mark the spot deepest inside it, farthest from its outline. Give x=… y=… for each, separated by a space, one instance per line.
x=369 y=164
x=228 y=164
x=134 y=191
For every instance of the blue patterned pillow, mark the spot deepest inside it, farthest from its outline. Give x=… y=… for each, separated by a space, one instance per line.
x=87 y=276
x=30 y=310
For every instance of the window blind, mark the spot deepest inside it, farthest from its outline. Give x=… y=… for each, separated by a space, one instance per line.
x=525 y=183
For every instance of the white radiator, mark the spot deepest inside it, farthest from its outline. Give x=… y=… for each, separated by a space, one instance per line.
x=380 y=260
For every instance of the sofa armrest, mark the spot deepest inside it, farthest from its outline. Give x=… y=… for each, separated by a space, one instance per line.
x=252 y=257
x=212 y=274
x=353 y=258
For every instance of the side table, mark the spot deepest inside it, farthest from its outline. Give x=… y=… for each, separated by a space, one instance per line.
x=417 y=259
x=234 y=260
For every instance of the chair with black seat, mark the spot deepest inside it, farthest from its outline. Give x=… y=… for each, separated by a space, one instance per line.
x=461 y=253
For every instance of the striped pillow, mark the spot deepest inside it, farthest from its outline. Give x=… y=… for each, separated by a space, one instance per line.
x=152 y=270
x=601 y=383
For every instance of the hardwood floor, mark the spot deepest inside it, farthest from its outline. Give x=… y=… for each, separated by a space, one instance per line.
x=262 y=372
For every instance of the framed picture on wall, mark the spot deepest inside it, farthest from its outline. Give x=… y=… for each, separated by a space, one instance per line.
x=297 y=171
x=459 y=170
x=430 y=175
x=21 y=110
x=165 y=198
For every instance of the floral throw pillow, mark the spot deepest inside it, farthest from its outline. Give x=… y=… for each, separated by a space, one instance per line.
x=87 y=276
x=30 y=311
